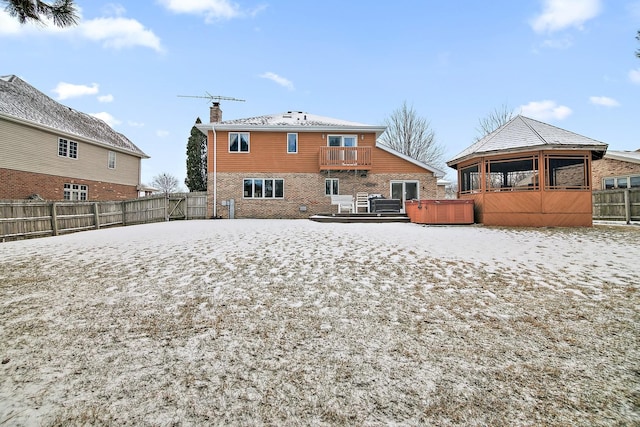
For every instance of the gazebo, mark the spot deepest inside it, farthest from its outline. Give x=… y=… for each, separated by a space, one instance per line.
x=529 y=173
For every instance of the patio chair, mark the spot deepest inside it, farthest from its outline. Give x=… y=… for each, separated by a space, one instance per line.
x=343 y=202
x=362 y=201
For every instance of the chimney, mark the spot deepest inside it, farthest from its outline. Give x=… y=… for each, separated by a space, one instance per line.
x=215 y=113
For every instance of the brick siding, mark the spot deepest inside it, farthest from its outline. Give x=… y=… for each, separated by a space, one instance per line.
x=304 y=190
x=611 y=168
x=20 y=185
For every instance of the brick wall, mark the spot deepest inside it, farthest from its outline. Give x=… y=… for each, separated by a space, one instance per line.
x=304 y=189
x=611 y=168
x=20 y=185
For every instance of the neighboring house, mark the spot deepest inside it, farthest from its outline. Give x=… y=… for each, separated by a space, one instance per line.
x=58 y=153
x=529 y=173
x=288 y=165
x=617 y=169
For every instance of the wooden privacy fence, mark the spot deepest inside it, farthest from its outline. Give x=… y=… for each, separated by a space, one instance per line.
x=29 y=218
x=617 y=205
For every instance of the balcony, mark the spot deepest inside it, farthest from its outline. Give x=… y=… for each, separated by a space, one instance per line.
x=345 y=158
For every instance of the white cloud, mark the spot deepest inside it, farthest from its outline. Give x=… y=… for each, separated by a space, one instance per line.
x=545 y=110
x=212 y=9
x=162 y=133
x=135 y=124
x=560 y=14
x=105 y=98
x=106 y=117
x=68 y=90
x=634 y=76
x=119 y=33
x=9 y=24
x=605 y=101
x=278 y=79
x=116 y=32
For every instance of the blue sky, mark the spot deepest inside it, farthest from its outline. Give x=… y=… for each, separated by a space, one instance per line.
x=570 y=63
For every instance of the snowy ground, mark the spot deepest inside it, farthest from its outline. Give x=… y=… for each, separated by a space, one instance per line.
x=292 y=322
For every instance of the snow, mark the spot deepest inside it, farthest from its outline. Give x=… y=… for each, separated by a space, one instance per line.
x=294 y=322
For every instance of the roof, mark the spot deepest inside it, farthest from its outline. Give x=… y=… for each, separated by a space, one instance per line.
x=523 y=134
x=23 y=103
x=297 y=121
x=437 y=172
x=625 y=156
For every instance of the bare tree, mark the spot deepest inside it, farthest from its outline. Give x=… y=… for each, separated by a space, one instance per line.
x=62 y=12
x=412 y=135
x=494 y=120
x=166 y=183
x=638 y=38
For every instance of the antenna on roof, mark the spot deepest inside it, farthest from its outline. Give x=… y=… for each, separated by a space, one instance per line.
x=212 y=98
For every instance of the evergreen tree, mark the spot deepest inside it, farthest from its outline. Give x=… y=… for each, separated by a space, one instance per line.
x=62 y=12
x=196 y=160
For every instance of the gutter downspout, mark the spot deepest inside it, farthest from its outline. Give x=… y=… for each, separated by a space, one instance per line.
x=215 y=172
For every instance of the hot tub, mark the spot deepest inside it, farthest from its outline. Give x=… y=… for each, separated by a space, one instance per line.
x=446 y=211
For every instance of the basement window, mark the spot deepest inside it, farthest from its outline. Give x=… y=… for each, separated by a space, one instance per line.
x=75 y=192
x=615 y=182
x=263 y=188
x=331 y=186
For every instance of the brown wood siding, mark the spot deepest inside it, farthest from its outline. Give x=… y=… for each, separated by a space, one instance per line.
x=534 y=208
x=34 y=150
x=268 y=154
x=512 y=202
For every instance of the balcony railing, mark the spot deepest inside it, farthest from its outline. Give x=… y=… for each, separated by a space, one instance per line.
x=345 y=158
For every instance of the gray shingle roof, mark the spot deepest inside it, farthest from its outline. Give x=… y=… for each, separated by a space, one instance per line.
x=625 y=156
x=523 y=134
x=19 y=100
x=293 y=120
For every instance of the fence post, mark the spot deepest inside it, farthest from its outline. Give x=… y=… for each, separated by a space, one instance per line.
x=96 y=215
x=54 y=220
x=627 y=206
x=124 y=214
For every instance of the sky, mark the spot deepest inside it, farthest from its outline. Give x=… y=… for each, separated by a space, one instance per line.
x=570 y=63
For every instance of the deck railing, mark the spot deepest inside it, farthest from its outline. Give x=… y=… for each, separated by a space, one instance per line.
x=345 y=158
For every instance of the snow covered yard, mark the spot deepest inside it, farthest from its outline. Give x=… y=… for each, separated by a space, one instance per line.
x=292 y=322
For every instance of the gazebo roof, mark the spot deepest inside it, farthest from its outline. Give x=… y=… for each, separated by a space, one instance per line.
x=525 y=134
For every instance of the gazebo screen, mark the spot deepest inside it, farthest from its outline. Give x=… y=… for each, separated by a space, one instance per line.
x=470 y=179
x=567 y=172
x=513 y=174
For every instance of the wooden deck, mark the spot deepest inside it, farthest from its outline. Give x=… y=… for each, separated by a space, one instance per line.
x=360 y=217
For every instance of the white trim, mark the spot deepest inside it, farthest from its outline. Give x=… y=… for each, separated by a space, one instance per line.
x=239 y=151
x=297 y=142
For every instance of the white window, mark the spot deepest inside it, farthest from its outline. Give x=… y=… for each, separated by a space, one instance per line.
x=238 y=142
x=67 y=148
x=111 y=161
x=331 y=186
x=342 y=140
x=292 y=143
x=75 y=192
x=263 y=188
x=613 y=182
